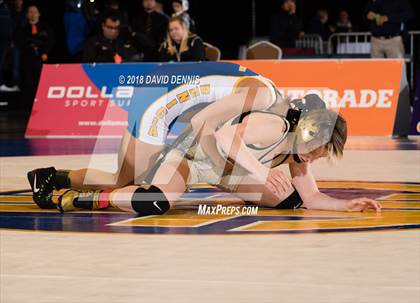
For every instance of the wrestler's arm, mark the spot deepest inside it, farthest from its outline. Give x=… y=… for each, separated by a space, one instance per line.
x=260 y=129
x=251 y=94
x=305 y=184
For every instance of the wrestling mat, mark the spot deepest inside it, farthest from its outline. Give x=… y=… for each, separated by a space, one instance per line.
x=400 y=202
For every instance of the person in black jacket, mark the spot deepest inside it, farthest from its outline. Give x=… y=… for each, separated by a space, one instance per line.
x=110 y=46
x=180 y=44
x=149 y=27
x=114 y=7
x=35 y=41
x=386 y=20
x=5 y=34
x=286 y=26
x=343 y=24
x=320 y=25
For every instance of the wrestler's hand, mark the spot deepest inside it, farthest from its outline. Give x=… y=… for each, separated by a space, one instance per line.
x=277 y=182
x=362 y=204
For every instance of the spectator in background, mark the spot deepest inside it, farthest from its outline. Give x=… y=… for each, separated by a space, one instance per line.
x=180 y=44
x=35 y=41
x=5 y=37
x=113 y=7
x=76 y=26
x=386 y=20
x=286 y=26
x=109 y=45
x=343 y=24
x=180 y=8
x=18 y=15
x=92 y=11
x=18 y=20
x=159 y=8
x=320 y=26
x=149 y=28
x=11 y=63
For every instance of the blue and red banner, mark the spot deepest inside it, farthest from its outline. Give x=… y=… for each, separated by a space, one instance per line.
x=91 y=100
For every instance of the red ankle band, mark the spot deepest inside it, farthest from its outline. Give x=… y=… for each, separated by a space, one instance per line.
x=103 y=200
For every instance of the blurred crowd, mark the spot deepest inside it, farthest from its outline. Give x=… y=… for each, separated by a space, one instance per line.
x=385 y=19
x=106 y=31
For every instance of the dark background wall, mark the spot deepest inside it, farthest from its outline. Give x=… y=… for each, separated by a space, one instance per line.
x=225 y=23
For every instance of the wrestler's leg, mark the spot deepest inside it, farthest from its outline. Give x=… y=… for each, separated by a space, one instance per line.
x=135 y=158
x=89 y=178
x=169 y=184
x=170 y=179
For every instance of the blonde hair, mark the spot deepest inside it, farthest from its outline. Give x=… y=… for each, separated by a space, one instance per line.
x=184 y=42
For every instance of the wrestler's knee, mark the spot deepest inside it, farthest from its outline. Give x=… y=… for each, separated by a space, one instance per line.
x=121 y=181
x=147 y=201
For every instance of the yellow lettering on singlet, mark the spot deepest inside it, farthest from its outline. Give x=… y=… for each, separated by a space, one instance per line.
x=160 y=114
x=171 y=104
x=205 y=89
x=195 y=92
x=183 y=97
x=153 y=129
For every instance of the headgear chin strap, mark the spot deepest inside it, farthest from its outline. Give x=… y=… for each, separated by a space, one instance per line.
x=293 y=117
x=307 y=104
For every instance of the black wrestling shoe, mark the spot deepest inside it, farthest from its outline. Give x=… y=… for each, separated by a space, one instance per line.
x=42 y=181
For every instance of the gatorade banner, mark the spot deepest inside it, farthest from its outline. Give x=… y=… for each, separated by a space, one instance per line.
x=92 y=100
x=365 y=91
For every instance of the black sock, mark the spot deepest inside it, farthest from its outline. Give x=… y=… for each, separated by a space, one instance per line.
x=93 y=200
x=83 y=203
x=86 y=200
